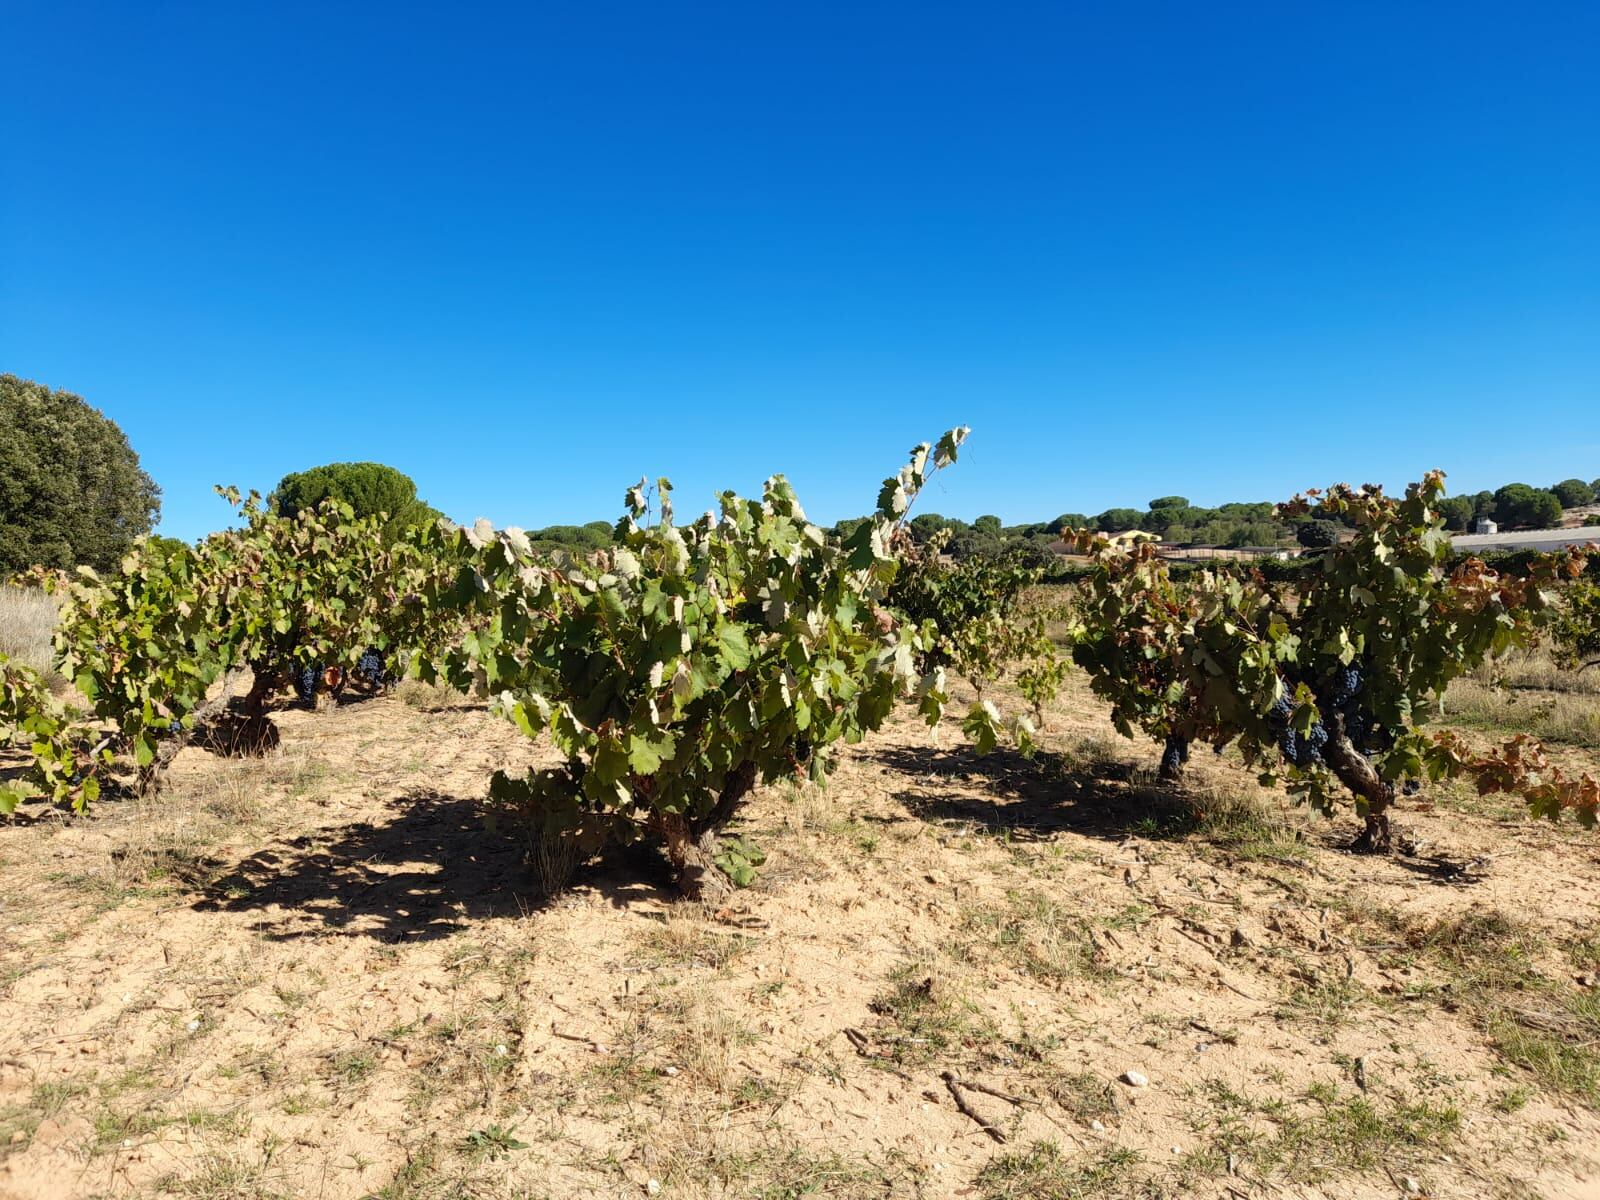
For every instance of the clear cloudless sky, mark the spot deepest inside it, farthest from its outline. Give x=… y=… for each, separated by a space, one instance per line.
x=528 y=252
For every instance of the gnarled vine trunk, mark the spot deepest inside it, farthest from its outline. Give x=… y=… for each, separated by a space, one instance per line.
x=1353 y=770
x=694 y=861
x=692 y=844
x=250 y=732
x=150 y=779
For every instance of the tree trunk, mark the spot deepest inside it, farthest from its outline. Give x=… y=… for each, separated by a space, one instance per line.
x=1353 y=770
x=251 y=733
x=262 y=686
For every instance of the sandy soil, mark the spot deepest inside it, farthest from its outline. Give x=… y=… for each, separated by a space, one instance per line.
x=319 y=975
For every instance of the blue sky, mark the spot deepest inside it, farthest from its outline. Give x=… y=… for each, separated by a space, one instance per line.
x=529 y=252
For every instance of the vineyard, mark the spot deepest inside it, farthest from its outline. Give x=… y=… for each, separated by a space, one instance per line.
x=348 y=859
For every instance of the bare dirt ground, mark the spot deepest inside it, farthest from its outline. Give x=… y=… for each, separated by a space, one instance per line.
x=318 y=975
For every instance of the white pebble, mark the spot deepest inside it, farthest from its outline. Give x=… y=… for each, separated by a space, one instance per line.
x=1135 y=1079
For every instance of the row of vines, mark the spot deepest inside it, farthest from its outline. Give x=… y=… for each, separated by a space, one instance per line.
x=688 y=663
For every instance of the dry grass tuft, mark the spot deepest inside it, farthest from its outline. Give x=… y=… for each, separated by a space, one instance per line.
x=426 y=697
x=702 y=1036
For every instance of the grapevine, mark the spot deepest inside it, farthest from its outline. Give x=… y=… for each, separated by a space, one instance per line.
x=147 y=647
x=679 y=669
x=989 y=619
x=1330 y=688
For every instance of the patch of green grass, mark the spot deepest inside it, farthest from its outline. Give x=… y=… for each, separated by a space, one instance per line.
x=777 y=1171
x=623 y=1076
x=1324 y=1133
x=291 y=998
x=45 y=1101
x=1548 y=1026
x=111 y=1128
x=1330 y=1003
x=1554 y=1038
x=754 y=1092
x=224 y=1177
x=1040 y=936
x=767 y=989
x=354 y=1066
x=103 y=892
x=925 y=1018
x=1042 y=1172
x=1084 y=1095
x=232 y=1124
x=426 y=1177
x=297 y=1104
x=1513 y=1099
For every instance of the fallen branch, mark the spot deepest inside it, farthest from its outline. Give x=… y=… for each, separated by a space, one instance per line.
x=972 y=1085
x=863 y=1045
x=954 y=1084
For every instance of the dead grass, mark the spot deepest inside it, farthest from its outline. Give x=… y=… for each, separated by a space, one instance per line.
x=426 y=697
x=27 y=620
x=1564 y=717
x=1536 y=670
x=1039 y=936
x=685 y=940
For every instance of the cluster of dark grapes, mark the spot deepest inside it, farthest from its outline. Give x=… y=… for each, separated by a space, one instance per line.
x=371 y=669
x=306 y=679
x=1302 y=749
x=1342 y=698
x=1344 y=695
x=1175 y=755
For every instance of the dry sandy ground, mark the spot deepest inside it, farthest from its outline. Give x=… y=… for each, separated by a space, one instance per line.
x=320 y=976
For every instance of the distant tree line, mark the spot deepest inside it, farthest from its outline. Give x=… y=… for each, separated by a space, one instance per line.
x=72 y=492
x=1519 y=505
x=1237 y=525
x=1171 y=518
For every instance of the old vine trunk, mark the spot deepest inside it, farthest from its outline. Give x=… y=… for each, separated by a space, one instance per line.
x=1353 y=770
